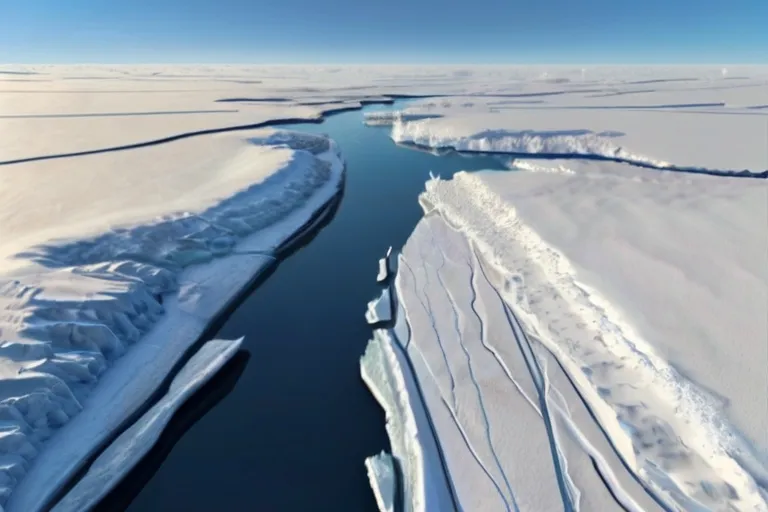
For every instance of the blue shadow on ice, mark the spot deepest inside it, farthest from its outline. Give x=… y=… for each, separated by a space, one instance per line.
x=213 y=392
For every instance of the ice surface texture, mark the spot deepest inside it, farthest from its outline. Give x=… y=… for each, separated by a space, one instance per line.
x=531 y=373
x=68 y=318
x=128 y=449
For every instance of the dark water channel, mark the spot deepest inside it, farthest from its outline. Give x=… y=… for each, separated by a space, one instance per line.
x=293 y=432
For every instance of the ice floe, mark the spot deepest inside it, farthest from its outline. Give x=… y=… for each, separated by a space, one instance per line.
x=128 y=449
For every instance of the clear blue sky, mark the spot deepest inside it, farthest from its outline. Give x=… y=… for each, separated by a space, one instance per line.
x=376 y=31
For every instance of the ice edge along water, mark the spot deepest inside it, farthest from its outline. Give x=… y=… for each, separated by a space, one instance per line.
x=122 y=309
x=720 y=469
x=414 y=128
x=129 y=448
x=411 y=478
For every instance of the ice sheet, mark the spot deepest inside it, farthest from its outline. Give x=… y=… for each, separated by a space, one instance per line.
x=584 y=297
x=92 y=323
x=128 y=449
x=485 y=399
x=59 y=109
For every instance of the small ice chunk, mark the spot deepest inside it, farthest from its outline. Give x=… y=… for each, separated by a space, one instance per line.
x=383 y=479
x=384 y=267
x=379 y=309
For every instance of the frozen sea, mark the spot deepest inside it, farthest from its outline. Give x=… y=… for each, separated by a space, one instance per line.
x=294 y=432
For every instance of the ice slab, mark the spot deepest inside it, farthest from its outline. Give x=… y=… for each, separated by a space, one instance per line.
x=384 y=369
x=92 y=323
x=380 y=309
x=129 y=448
x=505 y=289
x=384 y=267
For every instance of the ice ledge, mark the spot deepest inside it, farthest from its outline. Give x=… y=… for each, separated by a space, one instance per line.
x=544 y=144
x=92 y=339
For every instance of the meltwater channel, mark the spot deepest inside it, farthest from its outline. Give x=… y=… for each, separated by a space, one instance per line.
x=292 y=434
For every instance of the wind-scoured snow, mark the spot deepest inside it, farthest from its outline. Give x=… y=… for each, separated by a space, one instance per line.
x=128 y=449
x=610 y=317
x=93 y=321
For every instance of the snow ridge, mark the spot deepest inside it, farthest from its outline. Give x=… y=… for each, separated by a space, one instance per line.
x=563 y=142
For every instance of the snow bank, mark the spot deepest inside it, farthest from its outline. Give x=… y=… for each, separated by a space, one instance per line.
x=733 y=143
x=91 y=324
x=129 y=448
x=651 y=355
x=379 y=309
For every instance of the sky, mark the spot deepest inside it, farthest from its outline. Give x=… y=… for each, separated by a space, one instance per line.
x=392 y=31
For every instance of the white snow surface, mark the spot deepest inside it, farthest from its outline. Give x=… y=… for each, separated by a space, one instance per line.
x=611 y=317
x=129 y=448
x=115 y=257
x=60 y=109
x=384 y=267
x=109 y=273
